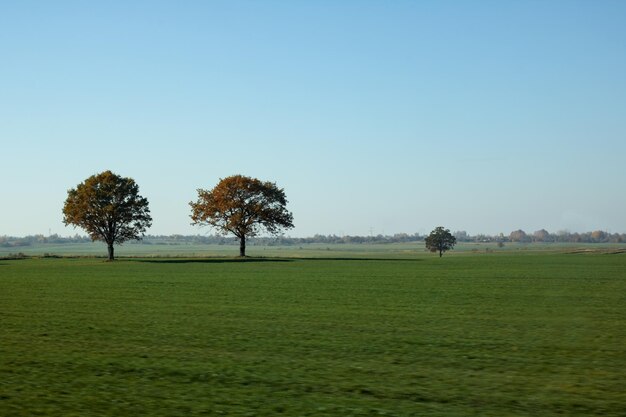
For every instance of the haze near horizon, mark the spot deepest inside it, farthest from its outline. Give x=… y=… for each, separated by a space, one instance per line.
x=375 y=117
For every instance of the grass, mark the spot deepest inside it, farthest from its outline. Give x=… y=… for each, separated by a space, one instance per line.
x=514 y=333
x=317 y=250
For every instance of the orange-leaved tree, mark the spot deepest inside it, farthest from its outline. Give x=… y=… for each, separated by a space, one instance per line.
x=109 y=208
x=244 y=207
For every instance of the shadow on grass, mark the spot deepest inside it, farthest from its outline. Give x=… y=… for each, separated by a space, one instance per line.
x=9 y=259
x=243 y=260
x=210 y=260
x=356 y=258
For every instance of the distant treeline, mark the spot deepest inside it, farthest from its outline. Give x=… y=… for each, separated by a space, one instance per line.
x=281 y=240
x=521 y=236
x=12 y=241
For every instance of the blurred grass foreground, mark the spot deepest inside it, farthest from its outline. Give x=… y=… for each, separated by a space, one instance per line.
x=399 y=333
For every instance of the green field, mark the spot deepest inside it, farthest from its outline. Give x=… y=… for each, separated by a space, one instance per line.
x=396 y=332
x=317 y=250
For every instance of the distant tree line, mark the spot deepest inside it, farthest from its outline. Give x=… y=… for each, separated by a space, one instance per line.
x=277 y=240
x=461 y=236
x=519 y=236
x=12 y=241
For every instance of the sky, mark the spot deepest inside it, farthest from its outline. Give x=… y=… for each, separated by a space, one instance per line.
x=375 y=117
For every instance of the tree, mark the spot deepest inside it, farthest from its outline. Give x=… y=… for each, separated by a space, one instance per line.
x=109 y=208
x=519 y=236
x=599 y=236
x=541 y=236
x=440 y=240
x=242 y=206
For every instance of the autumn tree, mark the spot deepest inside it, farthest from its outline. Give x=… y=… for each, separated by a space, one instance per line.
x=244 y=207
x=599 y=236
x=440 y=240
x=109 y=208
x=519 y=236
x=541 y=236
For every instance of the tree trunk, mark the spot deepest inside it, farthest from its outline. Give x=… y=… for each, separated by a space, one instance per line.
x=440 y=253
x=242 y=246
x=111 y=250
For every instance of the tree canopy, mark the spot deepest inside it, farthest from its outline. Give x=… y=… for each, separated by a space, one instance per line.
x=242 y=206
x=109 y=208
x=440 y=240
x=519 y=236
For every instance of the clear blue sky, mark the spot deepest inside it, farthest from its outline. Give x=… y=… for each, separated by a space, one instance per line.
x=374 y=116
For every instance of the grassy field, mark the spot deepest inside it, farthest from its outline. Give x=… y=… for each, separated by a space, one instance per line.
x=317 y=250
x=512 y=333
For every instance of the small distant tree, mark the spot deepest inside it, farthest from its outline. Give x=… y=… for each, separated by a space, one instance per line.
x=519 y=236
x=242 y=206
x=440 y=240
x=541 y=236
x=599 y=236
x=109 y=208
